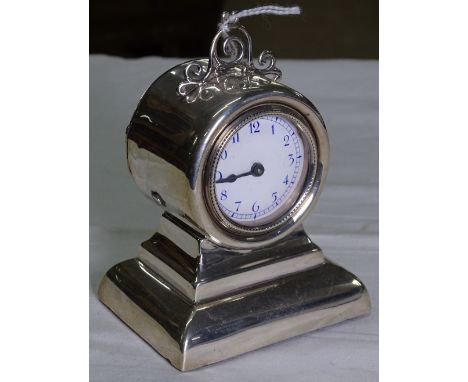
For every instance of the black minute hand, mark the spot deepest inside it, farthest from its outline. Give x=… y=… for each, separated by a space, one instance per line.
x=256 y=170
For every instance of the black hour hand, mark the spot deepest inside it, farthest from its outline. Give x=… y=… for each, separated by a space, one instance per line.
x=256 y=170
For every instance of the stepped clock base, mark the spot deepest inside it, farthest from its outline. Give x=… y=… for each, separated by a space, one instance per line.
x=192 y=333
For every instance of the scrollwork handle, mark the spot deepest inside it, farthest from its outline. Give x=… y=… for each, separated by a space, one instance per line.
x=231 y=73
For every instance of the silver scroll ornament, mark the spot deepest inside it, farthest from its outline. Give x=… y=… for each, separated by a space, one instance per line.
x=234 y=72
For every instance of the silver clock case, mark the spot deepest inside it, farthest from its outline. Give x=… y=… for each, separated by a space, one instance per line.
x=198 y=292
x=170 y=142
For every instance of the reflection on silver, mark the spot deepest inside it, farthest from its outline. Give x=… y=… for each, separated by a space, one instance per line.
x=147 y=117
x=191 y=334
x=214 y=303
x=172 y=155
x=199 y=291
x=158 y=199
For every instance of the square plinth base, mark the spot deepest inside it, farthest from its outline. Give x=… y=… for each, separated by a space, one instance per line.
x=191 y=334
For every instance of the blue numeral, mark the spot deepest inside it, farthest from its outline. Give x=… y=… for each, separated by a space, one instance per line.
x=224 y=155
x=286 y=181
x=219 y=175
x=273 y=129
x=291 y=159
x=286 y=140
x=254 y=127
x=238 y=205
x=255 y=207
x=235 y=138
x=274 y=195
x=223 y=195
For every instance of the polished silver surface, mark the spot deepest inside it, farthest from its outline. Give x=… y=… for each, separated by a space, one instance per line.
x=190 y=334
x=201 y=270
x=169 y=143
x=197 y=303
x=203 y=289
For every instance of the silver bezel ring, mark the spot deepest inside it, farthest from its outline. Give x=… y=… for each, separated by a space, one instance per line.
x=295 y=200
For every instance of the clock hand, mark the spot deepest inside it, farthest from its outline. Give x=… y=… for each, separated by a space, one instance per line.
x=256 y=170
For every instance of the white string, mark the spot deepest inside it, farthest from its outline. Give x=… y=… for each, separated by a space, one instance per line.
x=265 y=10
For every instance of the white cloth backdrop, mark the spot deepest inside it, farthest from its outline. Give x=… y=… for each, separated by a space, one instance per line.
x=344 y=224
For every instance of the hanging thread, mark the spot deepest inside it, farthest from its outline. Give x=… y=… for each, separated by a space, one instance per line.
x=264 y=10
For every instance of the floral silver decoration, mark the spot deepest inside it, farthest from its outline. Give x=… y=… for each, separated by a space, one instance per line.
x=233 y=72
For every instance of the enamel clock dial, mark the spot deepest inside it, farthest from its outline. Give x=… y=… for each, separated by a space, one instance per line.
x=262 y=169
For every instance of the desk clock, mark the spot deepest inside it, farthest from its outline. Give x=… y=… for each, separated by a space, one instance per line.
x=236 y=160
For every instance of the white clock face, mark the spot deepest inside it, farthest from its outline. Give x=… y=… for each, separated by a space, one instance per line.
x=260 y=171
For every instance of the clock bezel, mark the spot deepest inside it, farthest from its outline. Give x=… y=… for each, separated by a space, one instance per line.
x=295 y=200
